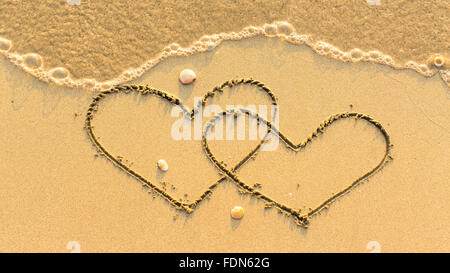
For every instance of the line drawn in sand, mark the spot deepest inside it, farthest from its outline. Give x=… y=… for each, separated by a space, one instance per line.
x=302 y=219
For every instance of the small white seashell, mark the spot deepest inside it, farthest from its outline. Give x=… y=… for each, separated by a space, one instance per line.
x=237 y=212
x=162 y=165
x=187 y=76
x=439 y=61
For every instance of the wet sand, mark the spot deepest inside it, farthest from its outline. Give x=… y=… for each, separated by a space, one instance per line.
x=55 y=190
x=103 y=41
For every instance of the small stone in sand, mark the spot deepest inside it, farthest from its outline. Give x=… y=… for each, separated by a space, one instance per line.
x=187 y=76
x=162 y=165
x=237 y=212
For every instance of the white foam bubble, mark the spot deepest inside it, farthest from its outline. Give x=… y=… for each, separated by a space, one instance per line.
x=270 y=30
x=15 y=58
x=5 y=44
x=174 y=46
x=105 y=85
x=346 y=57
x=284 y=28
x=32 y=60
x=375 y=55
x=128 y=74
x=88 y=83
x=388 y=60
x=323 y=48
x=251 y=30
x=424 y=68
x=59 y=73
x=356 y=54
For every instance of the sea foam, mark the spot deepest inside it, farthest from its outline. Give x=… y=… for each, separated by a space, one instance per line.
x=33 y=63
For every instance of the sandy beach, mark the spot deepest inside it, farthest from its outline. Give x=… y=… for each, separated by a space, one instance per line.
x=57 y=188
x=96 y=44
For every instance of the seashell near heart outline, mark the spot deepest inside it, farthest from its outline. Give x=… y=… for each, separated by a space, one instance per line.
x=302 y=219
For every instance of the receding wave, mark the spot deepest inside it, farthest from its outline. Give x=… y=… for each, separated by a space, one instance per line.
x=98 y=44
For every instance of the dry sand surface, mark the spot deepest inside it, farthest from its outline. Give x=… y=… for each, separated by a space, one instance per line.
x=56 y=190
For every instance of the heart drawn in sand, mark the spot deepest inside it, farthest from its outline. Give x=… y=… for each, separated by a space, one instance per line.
x=147 y=91
x=302 y=219
x=229 y=173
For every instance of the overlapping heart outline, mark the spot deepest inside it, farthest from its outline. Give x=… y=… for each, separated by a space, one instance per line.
x=302 y=219
x=146 y=90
